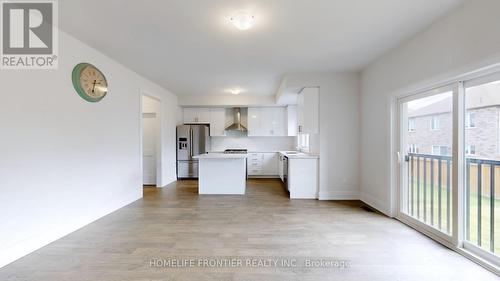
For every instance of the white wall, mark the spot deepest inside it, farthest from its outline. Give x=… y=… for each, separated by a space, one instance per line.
x=339 y=131
x=255 y=144
x=465 y=40
x=66 y=162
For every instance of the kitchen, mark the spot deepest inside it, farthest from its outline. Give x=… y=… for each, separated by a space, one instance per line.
x=223 y=146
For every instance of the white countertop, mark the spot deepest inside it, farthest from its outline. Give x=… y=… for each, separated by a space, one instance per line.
x=220 y=155
x=299 y=155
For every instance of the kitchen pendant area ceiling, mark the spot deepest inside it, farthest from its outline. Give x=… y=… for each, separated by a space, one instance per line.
x=191 y=48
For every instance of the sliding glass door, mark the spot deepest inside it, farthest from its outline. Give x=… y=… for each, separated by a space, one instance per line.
x=482 y=165
x=449 y=164
x=427 y=144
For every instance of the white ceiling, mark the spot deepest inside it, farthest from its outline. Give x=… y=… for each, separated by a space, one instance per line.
x=190 y=48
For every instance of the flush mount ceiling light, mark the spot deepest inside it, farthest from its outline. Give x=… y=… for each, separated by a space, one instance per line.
x=235 y=91
x=243 y=20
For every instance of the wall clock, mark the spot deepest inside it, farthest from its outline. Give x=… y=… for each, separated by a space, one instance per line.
x=89 y=82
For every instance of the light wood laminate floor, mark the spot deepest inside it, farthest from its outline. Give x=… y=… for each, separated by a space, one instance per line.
x=177 y=223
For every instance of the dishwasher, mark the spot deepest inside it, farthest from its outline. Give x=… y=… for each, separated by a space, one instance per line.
x=285 y=171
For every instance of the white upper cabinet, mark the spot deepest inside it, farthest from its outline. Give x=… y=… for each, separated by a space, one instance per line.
x=273 y=121
x=254 y=121
x=261 y=121
x=292 y=126
x=300 y=113
x=217 y=122
x=196 y=115
x=267 y=121
x=308 y=111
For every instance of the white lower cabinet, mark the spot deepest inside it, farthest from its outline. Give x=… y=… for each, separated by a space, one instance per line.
x=270 y=164
x=262 y=164
x=254 y=164
x=303 y=178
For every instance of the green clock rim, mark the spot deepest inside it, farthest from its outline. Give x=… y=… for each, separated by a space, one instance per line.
x=75 y=78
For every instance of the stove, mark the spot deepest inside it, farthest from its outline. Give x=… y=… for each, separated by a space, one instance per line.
x=235 y=151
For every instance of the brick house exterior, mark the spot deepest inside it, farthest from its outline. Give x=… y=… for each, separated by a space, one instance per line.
x=430 y=127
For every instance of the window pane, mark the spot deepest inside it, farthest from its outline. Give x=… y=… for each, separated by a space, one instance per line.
x=411 y=125
x=428 y=141
x=482 y=169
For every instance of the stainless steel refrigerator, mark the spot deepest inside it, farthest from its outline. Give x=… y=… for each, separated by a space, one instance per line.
x=192 y=140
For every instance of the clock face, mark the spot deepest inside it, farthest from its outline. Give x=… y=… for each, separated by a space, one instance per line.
x=89 y=82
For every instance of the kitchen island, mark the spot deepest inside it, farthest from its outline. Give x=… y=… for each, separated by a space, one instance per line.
x=221 y=173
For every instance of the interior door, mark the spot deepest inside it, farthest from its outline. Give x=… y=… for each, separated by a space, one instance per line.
x=149 y=156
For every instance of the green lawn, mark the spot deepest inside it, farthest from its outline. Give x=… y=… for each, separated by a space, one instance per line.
x=433 y=208
x=485 y=222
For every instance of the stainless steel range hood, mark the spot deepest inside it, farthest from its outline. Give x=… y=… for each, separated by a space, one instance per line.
x=236 y=126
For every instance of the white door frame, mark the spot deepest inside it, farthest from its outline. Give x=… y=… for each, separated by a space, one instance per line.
x=400 y=171
x=159 y=143
x=456 y=77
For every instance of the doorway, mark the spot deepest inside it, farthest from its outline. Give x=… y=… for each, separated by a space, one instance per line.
x=151 y=140
x=426 y=142
x=448 y=146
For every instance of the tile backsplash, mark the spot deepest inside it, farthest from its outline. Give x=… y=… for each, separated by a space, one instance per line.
x=259 y=144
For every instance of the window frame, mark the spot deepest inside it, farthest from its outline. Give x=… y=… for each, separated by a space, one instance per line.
x=468 y=120
x=413 y=148
x=412 y=121
x=480 y=72
x=468 y=148
x=440 y=147
x=435 y=123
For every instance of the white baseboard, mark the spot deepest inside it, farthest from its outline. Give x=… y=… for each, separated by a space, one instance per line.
x=262 y=177
x=339 y=195
x=375 y=203
x=50 y=234
x=303 y=196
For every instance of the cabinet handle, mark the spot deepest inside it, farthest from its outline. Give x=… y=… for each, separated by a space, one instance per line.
x=191 y=142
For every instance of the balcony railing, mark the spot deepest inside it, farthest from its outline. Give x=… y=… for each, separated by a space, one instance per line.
x=429 y=196
x=429 y=189
x=481 y=206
